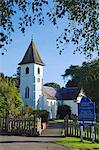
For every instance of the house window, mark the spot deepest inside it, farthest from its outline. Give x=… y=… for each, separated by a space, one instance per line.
x=38 y=71
x=27 y=92
x=27 y=70
x=51 y=104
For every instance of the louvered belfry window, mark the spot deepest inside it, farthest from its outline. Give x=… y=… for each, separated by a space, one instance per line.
x=38 y=70
x=27 y=70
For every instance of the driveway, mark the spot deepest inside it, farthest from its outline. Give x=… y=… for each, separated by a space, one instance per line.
x=43 y=142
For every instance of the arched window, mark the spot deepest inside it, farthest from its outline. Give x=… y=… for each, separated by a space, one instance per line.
x=27 y=92
x=38 y=71
x=38 y=79
x=27 y=70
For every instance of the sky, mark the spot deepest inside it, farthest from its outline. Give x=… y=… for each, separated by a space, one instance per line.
x=45 y=41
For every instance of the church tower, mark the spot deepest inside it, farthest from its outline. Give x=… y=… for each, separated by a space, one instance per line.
x=31 y=76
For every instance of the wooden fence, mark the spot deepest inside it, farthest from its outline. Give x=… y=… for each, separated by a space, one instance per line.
x=73 y=129
x=20 y=126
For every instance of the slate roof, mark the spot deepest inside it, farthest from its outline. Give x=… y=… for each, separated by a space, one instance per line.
x=32 y=56
x=49 y=92
x=68 y=93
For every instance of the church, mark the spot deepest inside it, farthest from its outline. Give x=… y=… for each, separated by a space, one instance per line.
x=32 y=91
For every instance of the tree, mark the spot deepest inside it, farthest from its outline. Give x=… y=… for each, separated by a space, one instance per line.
x=52 y=84
x=83 y=24
x=82 y=15
x=27 y=14
x=63 y=110
x=72 y=83
x=10 y=101
x=43 y=114
x=87 y=77
x=27 y=111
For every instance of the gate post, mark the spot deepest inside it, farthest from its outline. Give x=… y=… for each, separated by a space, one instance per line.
x=39 y=125
x=66 y=125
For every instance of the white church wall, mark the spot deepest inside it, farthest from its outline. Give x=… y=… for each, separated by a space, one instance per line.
x=49 y=105
x=70 y=103
x=42 y=103
x=52 y=108
x=31 y=80
x=25 y=81
x=38 y=82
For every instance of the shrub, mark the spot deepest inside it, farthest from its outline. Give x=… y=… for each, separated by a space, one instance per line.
x=63 y=110
x=43 y=114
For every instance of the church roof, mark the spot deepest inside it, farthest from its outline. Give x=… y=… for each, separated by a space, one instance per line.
x=49 y=92
x=68 y=93
x=32 y=56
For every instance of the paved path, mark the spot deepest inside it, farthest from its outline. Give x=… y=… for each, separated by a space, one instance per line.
x=54 y=130
x=44 y=142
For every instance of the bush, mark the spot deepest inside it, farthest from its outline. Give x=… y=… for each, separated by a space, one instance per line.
x=28 y=111
x=73 y=117
x=43 y=114
x=63 y=110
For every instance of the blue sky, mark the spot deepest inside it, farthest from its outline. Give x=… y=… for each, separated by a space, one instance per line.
x=45 y=41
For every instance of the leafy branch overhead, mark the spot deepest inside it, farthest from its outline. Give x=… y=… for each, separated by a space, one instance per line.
x=26 y=16
x=82 y=29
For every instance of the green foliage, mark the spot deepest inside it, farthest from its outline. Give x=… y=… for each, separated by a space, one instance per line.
x=43 y=114
x=72 y=83
x=27 y=111
x=82 y=29
x=74 y=143
x=63 y=110
x=54 y=85
x=27 y=13
x=87 y=77
x=73 y=117
x=10 y=101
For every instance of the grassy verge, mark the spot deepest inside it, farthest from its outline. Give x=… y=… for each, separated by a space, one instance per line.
x=97 y=125
x=56 y=120
x=60 y=120
x=75 y=144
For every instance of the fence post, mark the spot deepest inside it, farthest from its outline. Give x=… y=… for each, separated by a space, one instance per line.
x=93 y=134
x=81 y=131
x=0 y=123
x=7 y=123
x=39 y=125
x=66 y=125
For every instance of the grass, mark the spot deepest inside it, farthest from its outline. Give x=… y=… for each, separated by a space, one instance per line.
x=97 y=125
x=60 y=120
x=75 y=144
x=56 y=120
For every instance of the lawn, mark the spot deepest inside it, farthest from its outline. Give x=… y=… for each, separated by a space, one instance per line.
x=56 y=120
x=97 y=125
x=60 y=120
x=75 y=144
